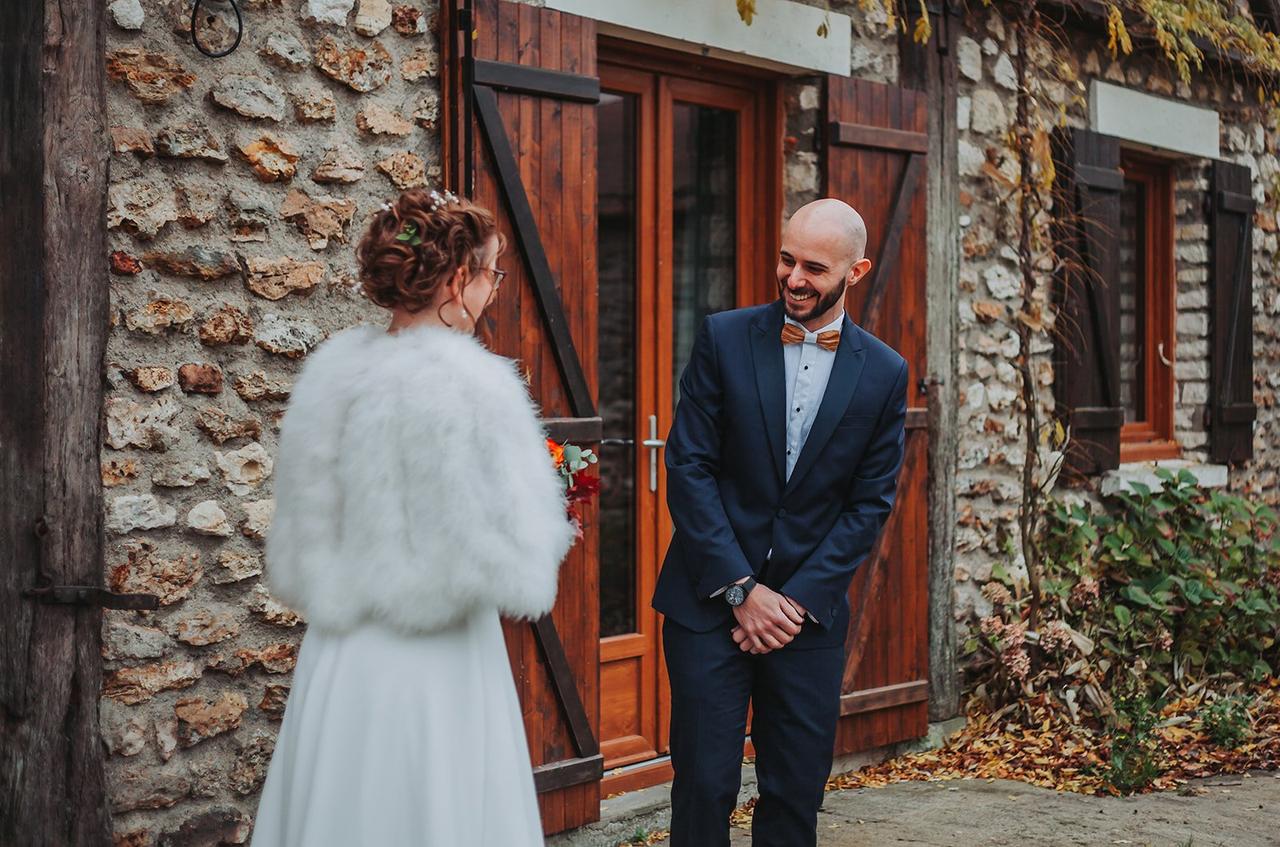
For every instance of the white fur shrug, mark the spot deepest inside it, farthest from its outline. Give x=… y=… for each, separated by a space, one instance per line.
x=413 y=486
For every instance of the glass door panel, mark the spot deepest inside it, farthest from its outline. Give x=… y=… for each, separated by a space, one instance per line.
x=704 y=222
x=616 y=180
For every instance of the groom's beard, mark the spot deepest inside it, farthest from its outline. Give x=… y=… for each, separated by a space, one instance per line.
x=820 y=304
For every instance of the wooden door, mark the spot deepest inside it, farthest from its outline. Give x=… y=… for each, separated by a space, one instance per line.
x=876 y=163
x=520 y=140
x=685 y=167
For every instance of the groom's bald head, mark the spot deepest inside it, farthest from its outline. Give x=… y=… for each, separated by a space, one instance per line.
x=832 y=223
x=824 y=248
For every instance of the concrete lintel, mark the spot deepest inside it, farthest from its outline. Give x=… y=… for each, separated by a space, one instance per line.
x=1121 y=478
x=1154 y=122
x=782 y=36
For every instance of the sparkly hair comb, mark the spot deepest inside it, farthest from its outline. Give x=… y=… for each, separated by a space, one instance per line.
x=441 y=199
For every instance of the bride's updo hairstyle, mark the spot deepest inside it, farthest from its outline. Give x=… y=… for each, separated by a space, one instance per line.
x=414 y=245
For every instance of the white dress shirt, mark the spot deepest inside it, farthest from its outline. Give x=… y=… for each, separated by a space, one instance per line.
x=808 y=370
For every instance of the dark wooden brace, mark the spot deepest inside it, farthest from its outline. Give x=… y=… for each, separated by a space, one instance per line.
x=485 y=79
x=588 y=765
x=915 y=145
x=530 y=244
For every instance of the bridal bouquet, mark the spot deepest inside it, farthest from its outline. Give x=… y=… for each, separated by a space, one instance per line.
x=571 y=461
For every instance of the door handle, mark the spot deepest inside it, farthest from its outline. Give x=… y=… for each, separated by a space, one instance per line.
x=654 y=443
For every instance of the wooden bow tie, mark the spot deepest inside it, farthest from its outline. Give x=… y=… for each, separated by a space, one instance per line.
x=792 y=334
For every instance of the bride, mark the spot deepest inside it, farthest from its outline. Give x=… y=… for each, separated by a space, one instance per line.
x=415 y=502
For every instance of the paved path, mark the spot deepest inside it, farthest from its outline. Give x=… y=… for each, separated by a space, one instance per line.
x=1001 y=813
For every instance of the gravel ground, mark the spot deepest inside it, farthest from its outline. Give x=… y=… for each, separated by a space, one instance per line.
x=1234 y=810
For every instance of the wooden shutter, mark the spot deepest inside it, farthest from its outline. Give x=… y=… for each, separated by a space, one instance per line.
x=1231 y=411
x=1087 y=343
x=876 y=162
x=520 y=140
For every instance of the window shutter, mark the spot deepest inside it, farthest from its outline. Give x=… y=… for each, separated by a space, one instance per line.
x=1087 y=344
x=1231 y=410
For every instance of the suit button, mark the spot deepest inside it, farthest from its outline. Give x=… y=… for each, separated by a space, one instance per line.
x=782 y=513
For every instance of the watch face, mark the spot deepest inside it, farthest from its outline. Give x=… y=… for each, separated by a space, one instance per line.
x=735 y=595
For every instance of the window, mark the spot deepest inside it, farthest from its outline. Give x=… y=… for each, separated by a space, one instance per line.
x=1147 y=283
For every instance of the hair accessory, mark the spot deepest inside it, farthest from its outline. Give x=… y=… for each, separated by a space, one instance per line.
x=410 y=234
x=442 y=199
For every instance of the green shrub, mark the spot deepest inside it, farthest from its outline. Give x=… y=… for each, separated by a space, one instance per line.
x=1226 y=721
x=1133 y=762
x=1158 y=590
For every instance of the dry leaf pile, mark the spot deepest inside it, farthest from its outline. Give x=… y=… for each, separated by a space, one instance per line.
x=1035 y=742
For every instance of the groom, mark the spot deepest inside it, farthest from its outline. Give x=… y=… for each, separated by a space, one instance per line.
x=782 y=463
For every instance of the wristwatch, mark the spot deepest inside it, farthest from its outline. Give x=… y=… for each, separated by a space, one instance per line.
x=735 y=595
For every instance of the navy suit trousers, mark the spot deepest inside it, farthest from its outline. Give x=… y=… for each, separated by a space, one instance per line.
x=796 y=699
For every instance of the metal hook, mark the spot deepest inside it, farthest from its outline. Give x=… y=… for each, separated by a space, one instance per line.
x=195 y=39
x=1163 y=358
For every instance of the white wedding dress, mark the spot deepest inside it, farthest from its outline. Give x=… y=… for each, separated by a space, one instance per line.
x=397 y=740
x=415 y=502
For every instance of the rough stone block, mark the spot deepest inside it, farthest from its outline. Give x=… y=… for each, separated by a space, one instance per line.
x=208 y=518
x=200 y=719
x=273 y=158
x=362 y=69
x=245 y=469
x=199 y=262
x=340 y=164
x=146 y=570
x=141 y=207
x=200 y=378
x=249 y=95
x=152 y=77
x=138 y=684
x=221 y=427
x=228 y=325
x=257 y=386
x=319 y=220
x=190 y=141
x=289 y=338
x=130 y=512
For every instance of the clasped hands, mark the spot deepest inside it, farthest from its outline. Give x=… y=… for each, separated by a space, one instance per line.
x=767 y=621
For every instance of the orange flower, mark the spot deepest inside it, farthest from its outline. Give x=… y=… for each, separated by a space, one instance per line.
x=557 y=452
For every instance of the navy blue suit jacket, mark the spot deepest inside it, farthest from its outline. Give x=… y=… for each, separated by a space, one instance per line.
x=727 y=489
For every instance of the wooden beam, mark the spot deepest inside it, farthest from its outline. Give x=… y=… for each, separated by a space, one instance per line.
x=524 y=79
x=932 y=68
x=578 y=430
x=886 y=697
x=568 y=773
x=53 y=324
x=896 y=140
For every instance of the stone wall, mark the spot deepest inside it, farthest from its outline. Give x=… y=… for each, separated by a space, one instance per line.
x=991 y=438
x=237 y=188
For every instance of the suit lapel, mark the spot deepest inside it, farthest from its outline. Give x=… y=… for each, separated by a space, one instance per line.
x=766 y=355
x=845 y=373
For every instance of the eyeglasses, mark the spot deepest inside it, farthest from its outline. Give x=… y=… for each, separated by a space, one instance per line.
x=498 y=276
